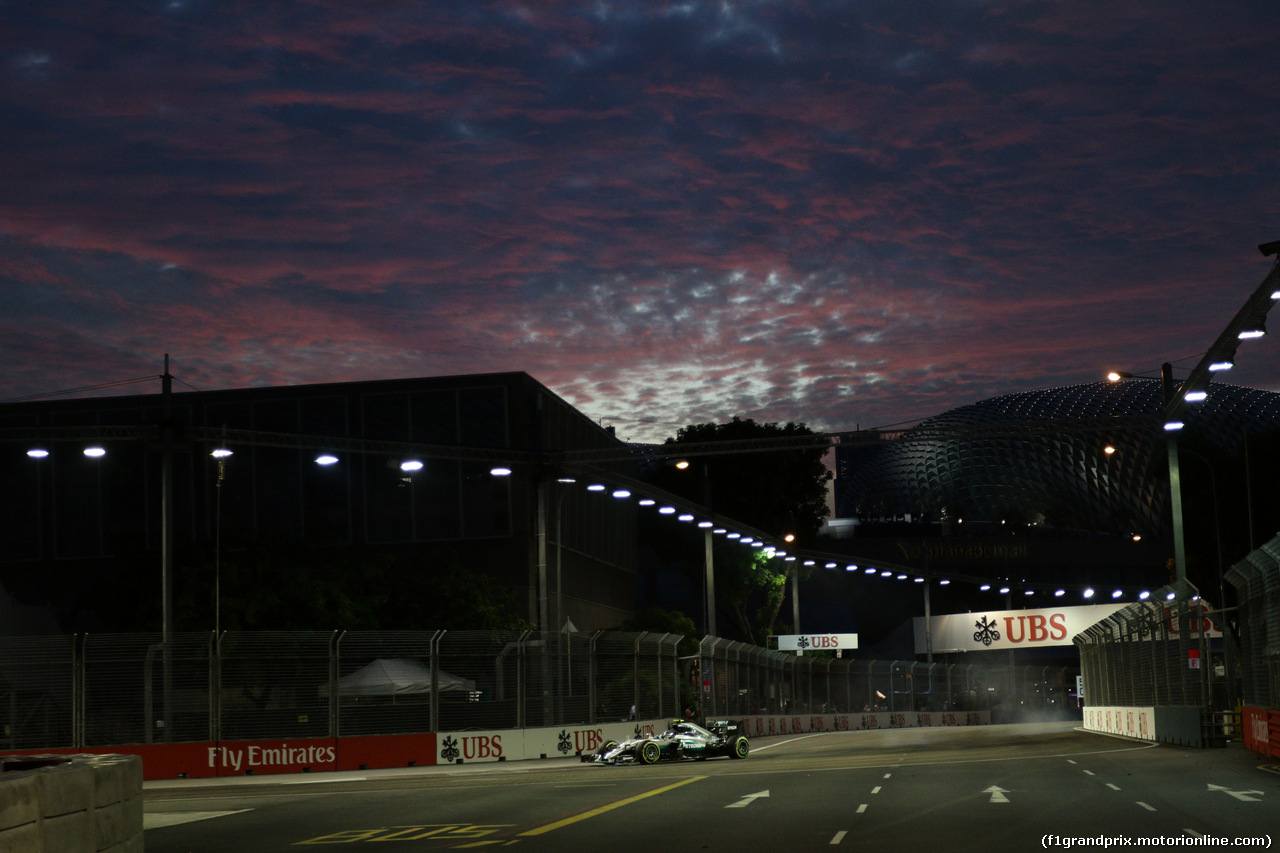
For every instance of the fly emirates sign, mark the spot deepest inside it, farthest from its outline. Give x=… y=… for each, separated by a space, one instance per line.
x=1009 y=629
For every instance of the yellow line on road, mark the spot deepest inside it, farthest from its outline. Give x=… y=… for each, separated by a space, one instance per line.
x=541 y=830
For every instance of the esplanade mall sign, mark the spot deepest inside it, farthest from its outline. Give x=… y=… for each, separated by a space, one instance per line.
x=993 y=630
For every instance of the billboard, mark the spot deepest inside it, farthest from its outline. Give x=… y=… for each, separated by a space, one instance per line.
x=994 y=630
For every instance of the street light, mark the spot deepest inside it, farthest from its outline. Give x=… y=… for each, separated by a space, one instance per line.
x=221 y=454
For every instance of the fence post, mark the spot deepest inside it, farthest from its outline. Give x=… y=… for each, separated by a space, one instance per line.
x=335 y=669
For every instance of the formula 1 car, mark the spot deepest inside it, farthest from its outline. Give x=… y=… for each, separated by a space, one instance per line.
x=683 y=739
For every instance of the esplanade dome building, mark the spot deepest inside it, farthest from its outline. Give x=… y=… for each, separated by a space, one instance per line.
x=1062 y=482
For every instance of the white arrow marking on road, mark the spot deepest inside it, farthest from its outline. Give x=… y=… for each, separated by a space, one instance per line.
x=747 y=800
x=997 y=794
x=1239 y=795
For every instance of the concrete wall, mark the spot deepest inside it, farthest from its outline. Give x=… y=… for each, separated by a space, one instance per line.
x=71 y=804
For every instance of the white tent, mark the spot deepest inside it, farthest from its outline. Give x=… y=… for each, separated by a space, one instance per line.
x=398 y=677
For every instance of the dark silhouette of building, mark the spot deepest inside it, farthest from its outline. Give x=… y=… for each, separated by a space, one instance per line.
x=67 y=521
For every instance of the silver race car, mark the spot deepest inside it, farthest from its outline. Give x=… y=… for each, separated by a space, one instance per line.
x=683 y=739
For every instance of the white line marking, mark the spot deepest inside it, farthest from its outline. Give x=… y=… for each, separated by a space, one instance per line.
x=1145 y=806
x=876 y=789
x=862 y=808
x=1113 y=787
x=747 y=800
x=155 y=820
x=839 y=836
x=1071 y=761
x=1088 y=773
x=887 y=775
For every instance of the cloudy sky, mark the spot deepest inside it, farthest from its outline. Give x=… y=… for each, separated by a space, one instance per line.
x=843 y=213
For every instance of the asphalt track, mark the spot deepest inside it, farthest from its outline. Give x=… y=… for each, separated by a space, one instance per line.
x=990 y=788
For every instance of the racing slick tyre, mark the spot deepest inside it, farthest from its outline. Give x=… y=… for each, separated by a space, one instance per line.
x=604 y=747
x=649 y=752
x=739 y=747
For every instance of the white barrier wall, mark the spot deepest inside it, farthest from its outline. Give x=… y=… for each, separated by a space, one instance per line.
x=71 y=804
x=565 y=741
x=1128 y=721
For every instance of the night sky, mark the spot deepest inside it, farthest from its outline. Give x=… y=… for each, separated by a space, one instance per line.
x=841 y=213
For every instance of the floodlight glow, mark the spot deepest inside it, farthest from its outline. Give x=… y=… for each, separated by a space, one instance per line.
x=1144 y=595
x=1058 y=593
x=902 y=577
x=1171 y=596
x=566 y=480
x=1029 y=592
x=1195 y=396
x=621 y=493
x=808 y=562
x=667 y=510
x=944 y=582
x=326 y=459
x=985 y=587
x=647 y=502
x=500 y=471
x=1088 y=593
x=1004 y=590
x=1221 y=365
x=919 y=580
x=886 y=574
x=705 y=524
x=595 y=487
x=733 y=535
x=1173 y=426
x=685 y=517
x=830 y=566
x=220 y=453
x=37 y=453
x=1117 y=593
x=411 y=465
x=95 y=452
x=720 y=531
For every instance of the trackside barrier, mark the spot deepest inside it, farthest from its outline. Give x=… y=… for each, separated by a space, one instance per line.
x=1262 y=730
x=314 y=755
x=1257 y=582
x=71 y=804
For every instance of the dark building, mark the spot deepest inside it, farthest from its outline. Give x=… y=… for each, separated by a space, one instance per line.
x=69 y=522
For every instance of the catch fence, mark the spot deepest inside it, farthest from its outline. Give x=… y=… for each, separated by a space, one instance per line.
x=1257 y=582
x=1166 y=651
x=94 y=690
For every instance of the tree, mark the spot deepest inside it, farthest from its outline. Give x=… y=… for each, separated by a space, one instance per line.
x=778 y=492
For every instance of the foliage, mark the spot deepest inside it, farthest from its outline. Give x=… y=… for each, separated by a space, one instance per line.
x=659 y=621
x=774 y=491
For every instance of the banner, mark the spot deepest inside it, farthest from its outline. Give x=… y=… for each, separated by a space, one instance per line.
x=1008 y=629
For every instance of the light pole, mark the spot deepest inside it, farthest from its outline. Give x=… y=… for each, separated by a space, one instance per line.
x=220 y=455
x=708 y=556
x=1222 y=591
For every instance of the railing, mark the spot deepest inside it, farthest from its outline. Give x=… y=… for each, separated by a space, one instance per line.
x=104 y=690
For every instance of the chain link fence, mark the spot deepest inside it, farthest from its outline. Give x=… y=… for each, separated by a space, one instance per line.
x=1257 y=582
x=737 y=680
x=1164 y=652
x=105 y=690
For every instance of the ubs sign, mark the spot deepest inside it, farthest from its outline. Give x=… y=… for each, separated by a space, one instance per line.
x=1008 y=629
